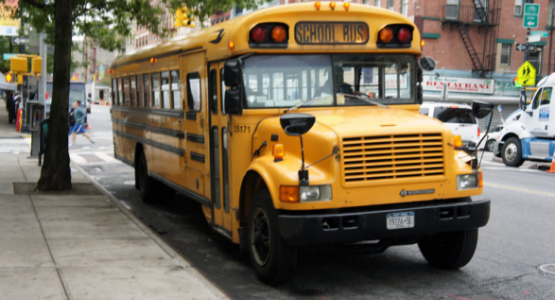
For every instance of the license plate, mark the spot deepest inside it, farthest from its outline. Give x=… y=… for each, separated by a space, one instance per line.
x=400 y=220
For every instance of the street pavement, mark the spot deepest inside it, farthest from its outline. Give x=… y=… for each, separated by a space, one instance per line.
x=80 y=246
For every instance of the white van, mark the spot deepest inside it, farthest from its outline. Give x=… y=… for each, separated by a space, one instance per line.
x=458 y=117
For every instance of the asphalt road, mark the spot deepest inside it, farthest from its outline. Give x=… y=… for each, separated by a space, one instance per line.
x=517 y=241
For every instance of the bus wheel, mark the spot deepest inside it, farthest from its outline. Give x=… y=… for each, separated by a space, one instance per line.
x=512 y=153
x=147 y=185
x=273 y=259
x=450 y=250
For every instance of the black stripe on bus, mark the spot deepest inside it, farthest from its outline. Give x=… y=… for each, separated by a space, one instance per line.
x=200 y=199
x=147 y=59
x=197 y=138
x=153 y=111
x=162 y=146
x=197 y=156
x=165 y=131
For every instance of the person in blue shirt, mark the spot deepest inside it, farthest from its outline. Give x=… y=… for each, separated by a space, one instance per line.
x=79 y=115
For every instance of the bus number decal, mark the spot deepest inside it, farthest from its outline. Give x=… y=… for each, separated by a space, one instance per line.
x=331 y=33
x=241 y=129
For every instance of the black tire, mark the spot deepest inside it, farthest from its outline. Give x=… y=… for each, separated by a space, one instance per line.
x=512 y=153
x=450 y=250
x=490 y=146
x=146 y=184
x=274 y=260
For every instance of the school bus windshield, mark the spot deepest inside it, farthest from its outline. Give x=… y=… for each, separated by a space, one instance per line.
x=289 y=80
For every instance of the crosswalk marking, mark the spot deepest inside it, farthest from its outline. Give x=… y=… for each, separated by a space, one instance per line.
x=78 y=159
x=106 y=157
x=84 y=158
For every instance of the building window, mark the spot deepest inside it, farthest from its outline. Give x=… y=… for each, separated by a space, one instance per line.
x=505 y=54
x=484 y=9
x=378 y=3
x=518 y=7
x=391 y=4
x=452 y=10
x=535 y=58
x=404 y=7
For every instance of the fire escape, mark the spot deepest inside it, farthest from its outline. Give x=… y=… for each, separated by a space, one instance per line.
x=484 y=16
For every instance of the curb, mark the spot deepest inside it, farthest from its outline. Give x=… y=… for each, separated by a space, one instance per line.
x=183 y=262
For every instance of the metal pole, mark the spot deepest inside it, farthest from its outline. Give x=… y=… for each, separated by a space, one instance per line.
x=42 y=82
x=526 y=51
x=550 y=43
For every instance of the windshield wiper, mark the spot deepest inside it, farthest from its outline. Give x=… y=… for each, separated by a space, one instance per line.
x=299 y=105
x=365 y=99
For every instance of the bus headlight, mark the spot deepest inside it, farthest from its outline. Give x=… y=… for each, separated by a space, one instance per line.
x=467 y=181
x=315 y=193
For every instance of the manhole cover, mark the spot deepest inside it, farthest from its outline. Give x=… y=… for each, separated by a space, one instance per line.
x=548 y=269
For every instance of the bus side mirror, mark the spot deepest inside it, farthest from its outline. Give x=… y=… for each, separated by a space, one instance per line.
x=233 y=78
x=481 y=109
x=233 y=73
x=297 y=124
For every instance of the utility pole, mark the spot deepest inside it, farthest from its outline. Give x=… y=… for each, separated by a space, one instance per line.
x=550 y=43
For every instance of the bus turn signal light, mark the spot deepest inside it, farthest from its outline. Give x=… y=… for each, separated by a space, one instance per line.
x=347 y=5
x=278 y=151
x=332 y=5
x=386 y=35
x=231 y=45
x=153 y=60
x=480 y=180
x=317 y=5
x=289 y=193
x=279 y=34
x=422 y=43
x=457 y=141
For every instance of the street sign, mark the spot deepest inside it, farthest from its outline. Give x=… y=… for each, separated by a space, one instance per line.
x=543 y=34
x=534 y=38
x=21 y=40
x=531 y=15
x=526 y=74
x=7 y=56
x=522 y=47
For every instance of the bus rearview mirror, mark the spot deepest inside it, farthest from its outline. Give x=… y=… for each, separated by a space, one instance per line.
x=481 y=109
x=297 y=124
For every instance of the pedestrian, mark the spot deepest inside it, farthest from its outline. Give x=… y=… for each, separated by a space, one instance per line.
x=79 y=115
x=10 y=105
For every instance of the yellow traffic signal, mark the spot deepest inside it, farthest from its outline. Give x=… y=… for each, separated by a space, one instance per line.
x=18 y=65
x=9 y=78
x=36 y=65
x=19 y=78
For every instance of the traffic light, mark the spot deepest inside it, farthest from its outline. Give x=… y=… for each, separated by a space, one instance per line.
x=9 y=78
x=36 y=65
x=18 y=64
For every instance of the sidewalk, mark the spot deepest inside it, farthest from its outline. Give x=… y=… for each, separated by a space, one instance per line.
x=83 y=247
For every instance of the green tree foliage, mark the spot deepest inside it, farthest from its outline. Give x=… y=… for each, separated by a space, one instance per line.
x=107 y=22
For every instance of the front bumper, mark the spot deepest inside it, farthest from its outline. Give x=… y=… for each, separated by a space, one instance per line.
x=371 y=225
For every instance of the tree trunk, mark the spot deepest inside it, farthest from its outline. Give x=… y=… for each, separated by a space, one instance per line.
x=56 y=173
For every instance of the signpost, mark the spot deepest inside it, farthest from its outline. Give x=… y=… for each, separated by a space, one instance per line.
x=531 y=15
x=522 y=47
x=21 y=40
x=526 y=74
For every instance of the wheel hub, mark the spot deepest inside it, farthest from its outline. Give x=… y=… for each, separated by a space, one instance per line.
x=260 y=237
x=510 y=152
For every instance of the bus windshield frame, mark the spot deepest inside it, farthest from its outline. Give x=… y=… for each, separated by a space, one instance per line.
x=283 y=81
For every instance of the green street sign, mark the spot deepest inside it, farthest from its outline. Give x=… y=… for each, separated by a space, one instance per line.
x=531 y=15
x=7 y=56
x=543 y=34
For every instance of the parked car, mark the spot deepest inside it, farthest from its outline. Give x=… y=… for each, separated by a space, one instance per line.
x=489 y=142
x=458 y=117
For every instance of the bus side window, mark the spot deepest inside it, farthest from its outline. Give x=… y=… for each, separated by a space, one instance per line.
x=193 y=91
x=114 y=91
x=165 y=78
x=175 y=91
x=222 y=90
x=148 y=91
x=156 y=89
x=140 y=94
x=126 y=90
x=133 y=90
x=120 y=91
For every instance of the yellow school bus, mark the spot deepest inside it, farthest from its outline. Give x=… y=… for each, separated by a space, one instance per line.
x=298 y=125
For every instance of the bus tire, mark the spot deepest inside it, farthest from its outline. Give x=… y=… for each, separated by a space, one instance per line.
x=512 y=153
x=450 y=250
x=274 y=260
x=147 y=185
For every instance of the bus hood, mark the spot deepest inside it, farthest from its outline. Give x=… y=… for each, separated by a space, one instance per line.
x=375 y=121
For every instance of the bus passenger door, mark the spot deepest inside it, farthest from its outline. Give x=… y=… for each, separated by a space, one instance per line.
x=219 y=151
x=194 y=124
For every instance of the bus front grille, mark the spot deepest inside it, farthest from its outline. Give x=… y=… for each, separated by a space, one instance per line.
x=371 y=158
